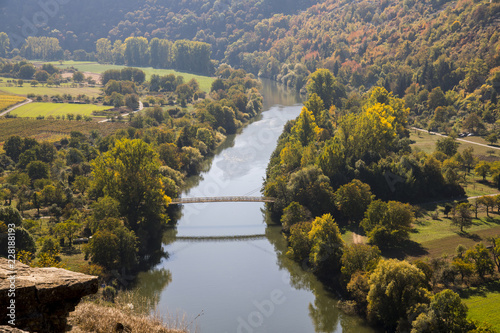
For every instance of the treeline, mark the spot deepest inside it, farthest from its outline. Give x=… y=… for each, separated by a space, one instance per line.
x=218 y=23
x=182 y=55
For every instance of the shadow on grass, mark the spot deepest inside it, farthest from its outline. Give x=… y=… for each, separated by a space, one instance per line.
x=483 y=290
x=465 y=234
x=70 y=250
x=405 y=249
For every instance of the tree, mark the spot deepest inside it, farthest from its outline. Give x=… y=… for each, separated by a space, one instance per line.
x=13 y=147
x=461 y=216
x=299 y=244
x=448 y=146
x=68 y=229
x=496 y=251
x=10 y=215
x=104 y=249
x=293 y=214
x=446 y=313
x=41 y=76
x=34 y=83
x=482 y=169
x=132 y=101
x=388 y=223
x=305 y=128
x=81 y=183
x=37 y=170
x=327 y=245
x=23 y=242
x=130 y=174
x=483 y=264
x=472 y=123
x=395 y=287
x=488 y=201
x=325 y=85
x=4 y=44
x=359 y=258
x=27 y=71
x=353 y=199
x=492 y=138
x=78 y=76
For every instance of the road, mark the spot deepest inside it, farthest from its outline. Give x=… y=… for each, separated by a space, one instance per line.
x=458 y=139
x=141 y=106
x=15 y=107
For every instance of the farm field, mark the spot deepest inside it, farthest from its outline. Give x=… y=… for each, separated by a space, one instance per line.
x=56 y=109
x=9 y=100
x=51 y=129
x=49 y=91
x=94 y=67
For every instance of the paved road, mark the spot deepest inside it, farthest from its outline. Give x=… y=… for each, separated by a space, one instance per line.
x=15 y=107
x=141 y=106
x=458 y=139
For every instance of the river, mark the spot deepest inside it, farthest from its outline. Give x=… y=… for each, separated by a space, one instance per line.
x=226 y=270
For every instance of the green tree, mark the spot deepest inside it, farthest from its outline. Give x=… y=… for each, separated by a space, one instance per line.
x=359 y=258
x=483 y=263
x=27 y=71
x=299 y=242
x=104 y=249
x=388 y=223
x=78 y=76
x=446 y=313
x=327 y=245
x=13 y=147
x=130 y=174
x=461 y=215
x=41 y=76
x=325 y=85
x=395 y=287
x=68 y=229
x=37 y=170
x=81 y=183
x=448 y=146
x=492 y=138
x=496 y=251
x=293 y=214
x=353 y=199
x=4 y=44
x=10 y=215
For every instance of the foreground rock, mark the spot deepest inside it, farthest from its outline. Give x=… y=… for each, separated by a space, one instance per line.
x=43 y=296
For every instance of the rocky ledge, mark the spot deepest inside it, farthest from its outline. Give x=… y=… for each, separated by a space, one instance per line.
x=40 y=299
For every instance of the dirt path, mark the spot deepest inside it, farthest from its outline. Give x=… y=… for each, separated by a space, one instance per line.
x=15 y=107
x=358 y=239
x=141 y=106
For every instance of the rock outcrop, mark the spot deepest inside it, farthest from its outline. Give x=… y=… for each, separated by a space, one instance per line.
x=42 y=297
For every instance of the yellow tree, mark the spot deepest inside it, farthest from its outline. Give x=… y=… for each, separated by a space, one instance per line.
x=305 y=128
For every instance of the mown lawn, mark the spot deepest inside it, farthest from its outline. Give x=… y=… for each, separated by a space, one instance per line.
x=205 y=82
x=484 y=303
x=56 y=109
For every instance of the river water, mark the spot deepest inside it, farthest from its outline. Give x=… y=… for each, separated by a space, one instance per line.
x=227 y=270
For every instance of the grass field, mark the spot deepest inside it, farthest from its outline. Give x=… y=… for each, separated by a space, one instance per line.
x=9 y=100
x=483 y=303
x=51 y=129
x=94 y=67
x=49 y=91
x=54 y=109
x=427 y=142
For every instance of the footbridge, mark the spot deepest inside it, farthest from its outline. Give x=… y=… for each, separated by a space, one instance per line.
x=183 y=201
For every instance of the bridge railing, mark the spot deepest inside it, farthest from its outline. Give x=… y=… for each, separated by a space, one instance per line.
x=222 y=199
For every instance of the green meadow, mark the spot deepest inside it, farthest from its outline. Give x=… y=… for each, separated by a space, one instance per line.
x=56 y=109
x=94 y=67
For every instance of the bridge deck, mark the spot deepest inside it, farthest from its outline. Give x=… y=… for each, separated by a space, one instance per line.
x=182 y=201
